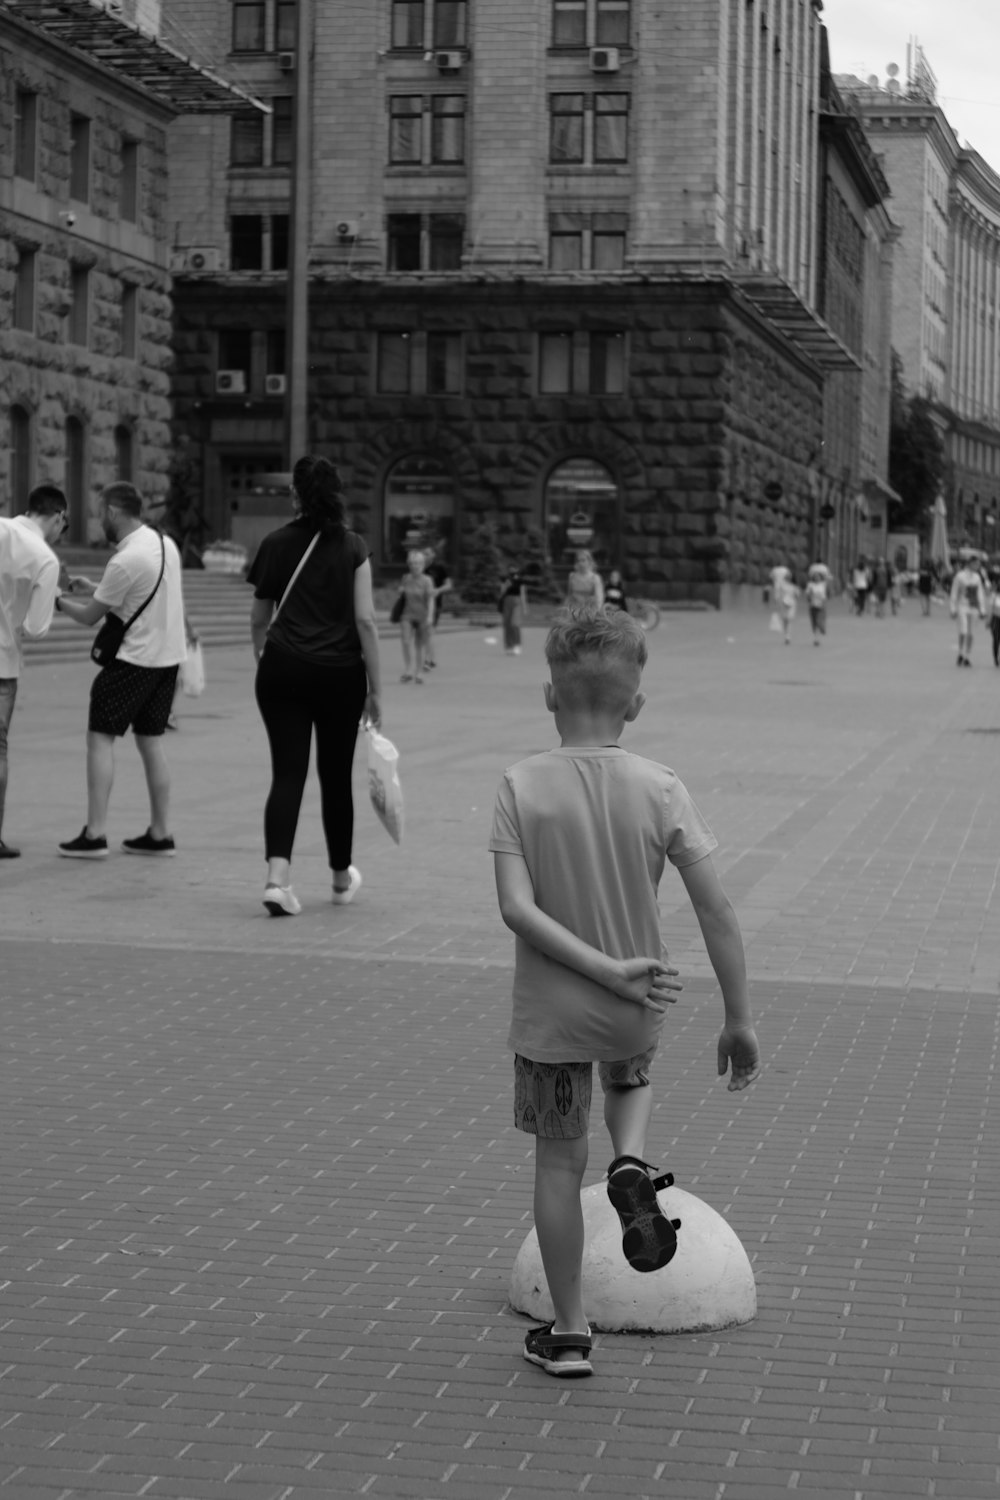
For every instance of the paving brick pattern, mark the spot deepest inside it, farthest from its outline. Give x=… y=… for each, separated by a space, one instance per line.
x=261 y=1194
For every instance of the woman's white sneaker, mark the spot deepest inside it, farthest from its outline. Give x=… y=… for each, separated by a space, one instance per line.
x=281 y=901
x=341 y=898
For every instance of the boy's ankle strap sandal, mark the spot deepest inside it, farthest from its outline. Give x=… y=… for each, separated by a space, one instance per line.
x=542 y=1346
x=649 y=1238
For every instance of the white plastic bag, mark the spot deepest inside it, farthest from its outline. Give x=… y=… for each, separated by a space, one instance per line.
x=192 y=672
x=383 y=783
x=775 y=622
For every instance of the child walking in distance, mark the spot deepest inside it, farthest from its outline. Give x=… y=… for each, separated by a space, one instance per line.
x=418 y=593
x=580 y=838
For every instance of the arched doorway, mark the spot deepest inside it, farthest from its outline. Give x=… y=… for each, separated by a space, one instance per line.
x=20 y=458
x=75 y=481
x=418 y=506
x=583 y=510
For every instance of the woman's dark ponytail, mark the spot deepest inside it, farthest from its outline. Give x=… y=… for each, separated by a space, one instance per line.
x=317 y=484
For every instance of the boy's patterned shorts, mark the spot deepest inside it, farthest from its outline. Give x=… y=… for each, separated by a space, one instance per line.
x=553 y=1099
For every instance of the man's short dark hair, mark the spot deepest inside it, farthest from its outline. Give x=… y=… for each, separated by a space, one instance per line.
x=123 y=496
x=46 y=500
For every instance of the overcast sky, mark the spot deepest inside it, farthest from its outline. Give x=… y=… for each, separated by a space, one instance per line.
x=961 y=40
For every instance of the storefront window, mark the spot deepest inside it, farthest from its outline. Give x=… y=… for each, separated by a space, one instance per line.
x=419 y=507
x=582 y=505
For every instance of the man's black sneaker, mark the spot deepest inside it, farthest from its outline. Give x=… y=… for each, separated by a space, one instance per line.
x=84 y=847
x=146 y=844
x=7 y=852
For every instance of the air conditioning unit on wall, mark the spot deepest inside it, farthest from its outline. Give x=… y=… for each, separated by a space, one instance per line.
x=194 y=258
x=230 y=382
x=347 y=229
x=448 y=62
x=275 y=385
x=605 y=60
x=286 y=62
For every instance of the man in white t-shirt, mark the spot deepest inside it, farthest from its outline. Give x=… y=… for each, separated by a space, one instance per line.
x=29 y=582
x=967 y=596
x=142 y=586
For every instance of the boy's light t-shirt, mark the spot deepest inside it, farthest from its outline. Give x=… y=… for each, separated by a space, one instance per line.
x=595 y=826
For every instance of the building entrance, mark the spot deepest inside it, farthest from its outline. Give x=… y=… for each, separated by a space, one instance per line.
x=582 y=511
x=418 y=507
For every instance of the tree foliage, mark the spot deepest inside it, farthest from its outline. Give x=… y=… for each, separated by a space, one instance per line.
x=483 y=573
x=917 y=464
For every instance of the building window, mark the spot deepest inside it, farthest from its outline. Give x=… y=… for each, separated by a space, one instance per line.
x=566 y=250
x=582 y=509
x=581 y=363
x=246 y=140
x=281 y=131
x=407 y=24
x=248 y=25
x=128 y=182
x=279 y=242
x=607 y=250
x=20 y=457
x=611 y=127
x=448 y=129
x=124 y=454
x=78 y=329
x=275 y=351
x=403 y=242
x=611 y=23
x=79 y=158
x=446 y=242
x=284 y=26
x=582 y=23
x=25 y=133
x=587 y=242
x=130 y=321
x=566 y=128
x=246 y=243
x=410 y=363
x=236 y=351
x=75 y=476
x=406 y=130
x=450 y=23
x=24 y=291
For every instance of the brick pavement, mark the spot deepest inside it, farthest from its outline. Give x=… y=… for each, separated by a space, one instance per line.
x=261 y=1194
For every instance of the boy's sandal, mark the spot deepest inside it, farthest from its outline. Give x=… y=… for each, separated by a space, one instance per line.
x=649 y=1238
x=541 y=1346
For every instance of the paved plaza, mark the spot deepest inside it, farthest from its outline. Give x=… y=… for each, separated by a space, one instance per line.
x=261 y=1191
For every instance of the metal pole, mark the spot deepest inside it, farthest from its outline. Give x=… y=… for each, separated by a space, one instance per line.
x=297 y=319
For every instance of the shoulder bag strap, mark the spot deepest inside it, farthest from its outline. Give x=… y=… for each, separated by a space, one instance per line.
x=149 y=600
x=291 y=581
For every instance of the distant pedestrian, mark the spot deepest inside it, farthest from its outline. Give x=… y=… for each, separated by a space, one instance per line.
x=925 y=587
x=439 y=573
x=29 y=585
x=880 y=586
x=141 y=585
x=785 y=597
x=860 y=585
x=418 y=600
x=614 y=591
x=816 y=597
x=994 y=617
x=584 y=584
x=580 y=839
x=314 y=636
x=967 y=597
x=513 y=610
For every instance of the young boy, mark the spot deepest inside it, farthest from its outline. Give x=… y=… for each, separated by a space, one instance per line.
x=580 y=837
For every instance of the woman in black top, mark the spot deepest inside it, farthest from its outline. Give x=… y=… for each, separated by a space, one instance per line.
x=614 y=591
x=317 y=668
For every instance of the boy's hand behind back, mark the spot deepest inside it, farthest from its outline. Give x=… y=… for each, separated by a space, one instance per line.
x=648 y=982
x=740 y=1050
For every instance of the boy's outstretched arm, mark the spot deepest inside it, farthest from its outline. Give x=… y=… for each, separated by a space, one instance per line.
x=644 y=981
x=738 y=1049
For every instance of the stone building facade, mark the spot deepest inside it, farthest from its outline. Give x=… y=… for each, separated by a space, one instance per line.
x=85 y=311
x=946 y=290
x=562 y=275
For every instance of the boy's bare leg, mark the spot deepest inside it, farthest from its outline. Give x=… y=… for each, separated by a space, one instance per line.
x=627 y=1113
x=559 y=1169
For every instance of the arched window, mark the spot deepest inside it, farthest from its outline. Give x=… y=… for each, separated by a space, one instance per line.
x=20 y=458
x=582 y=510
x=418 y=506
x=124 y=453
x=75 y=481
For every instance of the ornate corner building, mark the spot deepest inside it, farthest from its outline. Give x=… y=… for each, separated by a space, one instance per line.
x=564 y=274
x=85 y=311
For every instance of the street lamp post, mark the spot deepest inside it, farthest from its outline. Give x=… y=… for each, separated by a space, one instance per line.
x=297 y=318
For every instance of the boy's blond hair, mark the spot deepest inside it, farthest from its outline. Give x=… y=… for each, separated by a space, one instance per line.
x=596 y=657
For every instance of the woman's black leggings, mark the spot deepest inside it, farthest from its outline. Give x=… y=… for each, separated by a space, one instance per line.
x=294 y=697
